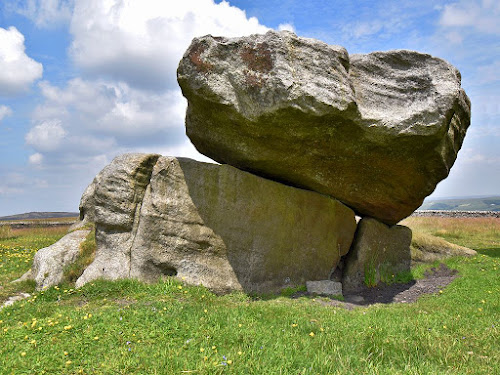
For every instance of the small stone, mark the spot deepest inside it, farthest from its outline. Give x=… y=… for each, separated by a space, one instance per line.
x=355 y=299
x=324 y=287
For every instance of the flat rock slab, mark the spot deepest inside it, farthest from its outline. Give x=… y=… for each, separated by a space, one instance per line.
x=375 y=131
x=324 y=287
x=210 y=224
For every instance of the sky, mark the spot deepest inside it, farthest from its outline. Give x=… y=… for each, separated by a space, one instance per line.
x=82 y=81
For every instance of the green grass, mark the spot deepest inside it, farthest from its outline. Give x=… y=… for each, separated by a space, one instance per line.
x=127 y=327
x=87 y=254
x=5 y=232
x=16 y=256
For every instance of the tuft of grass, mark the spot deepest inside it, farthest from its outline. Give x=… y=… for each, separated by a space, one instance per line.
x=86 y=256
x=290 y=291
x=426 y=248
x=468 y=232
x=5 y=231
x=370 y=273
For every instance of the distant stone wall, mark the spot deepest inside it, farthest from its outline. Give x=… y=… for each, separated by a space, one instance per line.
x=440 y=213
x=31 y=224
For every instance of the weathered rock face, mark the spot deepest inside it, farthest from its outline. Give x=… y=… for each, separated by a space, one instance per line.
x=49 y=262
x=210 y=224
x=376 y=131
x=324 y=287
x=377 y=253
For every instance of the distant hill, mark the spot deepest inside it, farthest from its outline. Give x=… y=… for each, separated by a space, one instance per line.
x=463 y=204
x=39 y=215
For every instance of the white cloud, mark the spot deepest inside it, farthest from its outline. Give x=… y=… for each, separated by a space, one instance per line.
x=17 y=70
x=103 y=114
x=127 y=99
x=12 y=183
x=454 y=37
x=482 y=15
x=286 y=26
x=141 y=42
x=45 y=13
x=489 y=73
x=4 y=112
x=362 y=29
x=46 y=136
x=36 y=159
x=40 y=184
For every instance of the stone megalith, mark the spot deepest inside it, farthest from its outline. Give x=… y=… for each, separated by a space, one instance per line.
x=210 y=224
x=377 y=253
x=375 y=131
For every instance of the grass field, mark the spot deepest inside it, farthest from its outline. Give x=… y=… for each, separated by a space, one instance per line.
x=128 y=327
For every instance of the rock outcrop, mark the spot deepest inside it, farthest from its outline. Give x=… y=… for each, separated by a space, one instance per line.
x=49 y=262
x=375 y=131
x=300 y=126
x=210 y=224
x=378 y=252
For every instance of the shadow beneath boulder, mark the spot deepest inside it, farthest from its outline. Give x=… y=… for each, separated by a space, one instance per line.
x=435 y=279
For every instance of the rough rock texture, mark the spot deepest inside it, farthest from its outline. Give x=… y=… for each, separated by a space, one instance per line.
x=377 y=253
x=376 y=131
x=324 y=287
x=11 y=300
x=210 y=224
x=49 y=262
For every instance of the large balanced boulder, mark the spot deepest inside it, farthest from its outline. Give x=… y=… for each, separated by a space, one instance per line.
x=210 y=224
x=376 y=131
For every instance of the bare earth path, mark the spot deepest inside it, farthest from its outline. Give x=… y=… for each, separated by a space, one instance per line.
x=435 y=279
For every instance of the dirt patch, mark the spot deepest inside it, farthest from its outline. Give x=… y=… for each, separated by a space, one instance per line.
x=435 y=280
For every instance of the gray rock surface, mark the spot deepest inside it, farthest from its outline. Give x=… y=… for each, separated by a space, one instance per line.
x=210 y=224
x=376 y=131
x=49 y=262
x=377 y=253
x=324 y=287
x=11 y=300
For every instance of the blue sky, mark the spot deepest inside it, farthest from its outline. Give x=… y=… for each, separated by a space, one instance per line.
x=82 y=81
